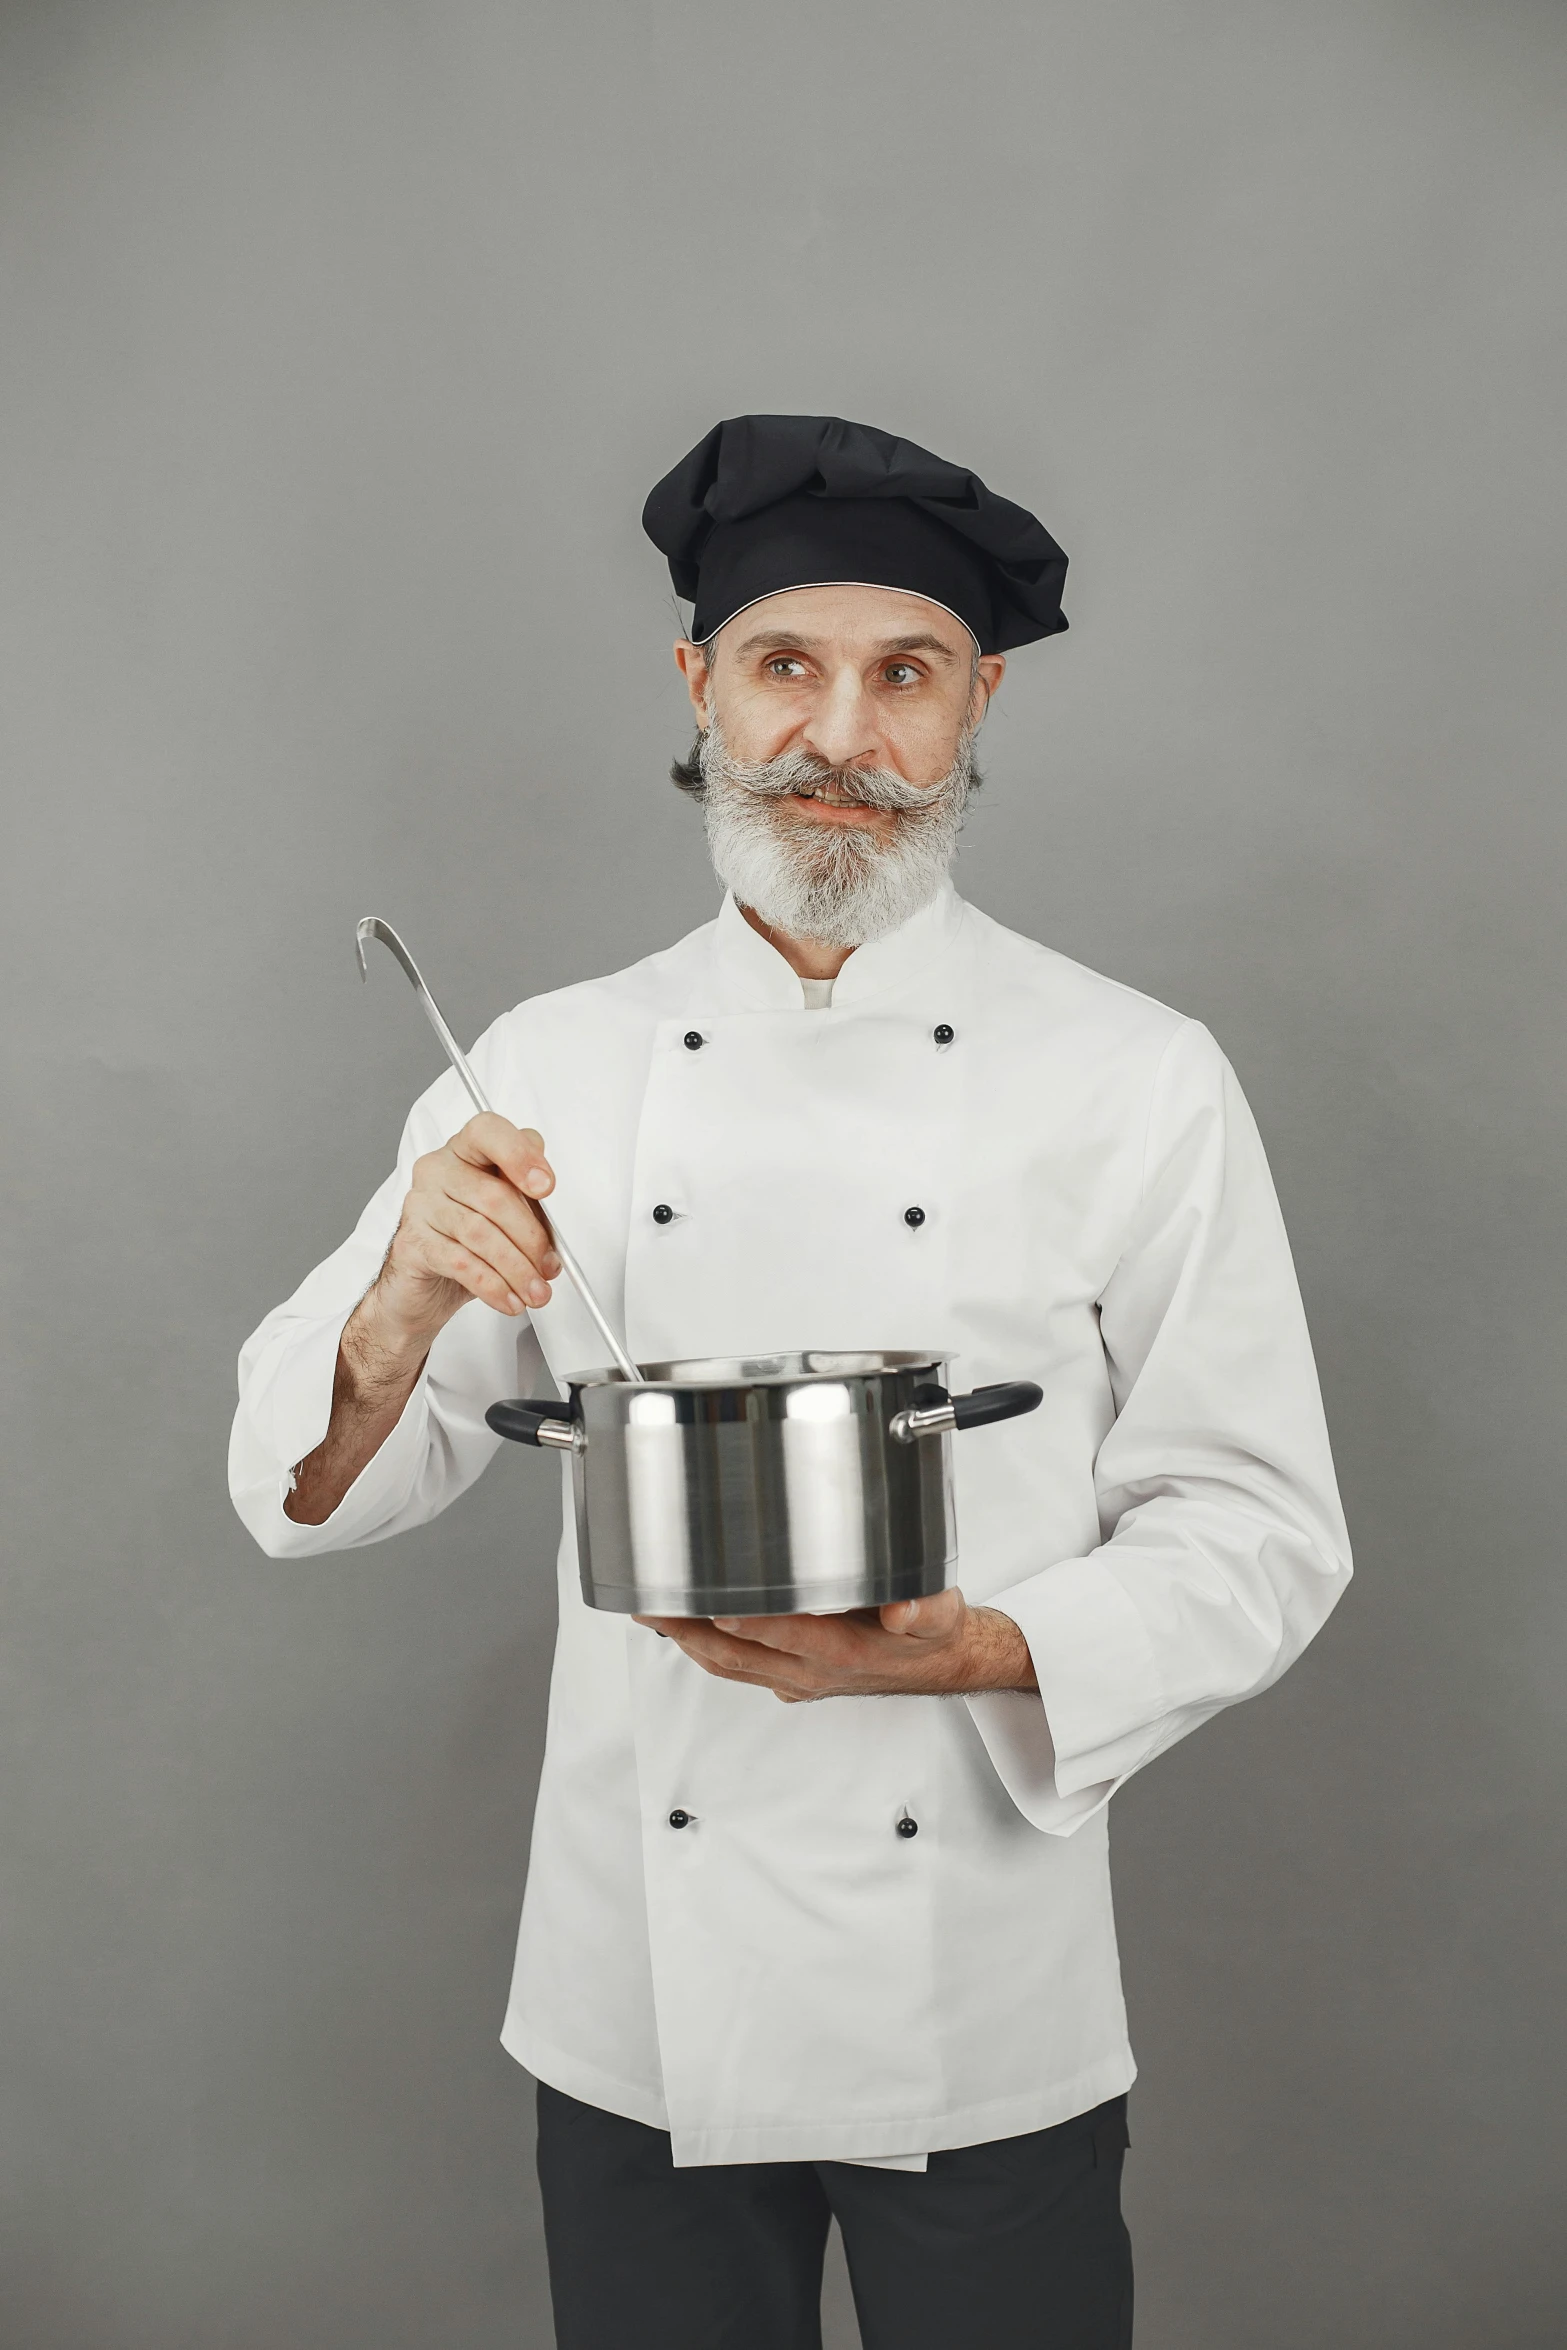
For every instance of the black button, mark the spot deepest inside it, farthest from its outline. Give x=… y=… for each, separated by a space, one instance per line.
x=908 y=1827
x=695 y=1040
x=943 y=1034
x=911 y=1216
x=682 y=1819
x=663 y=1214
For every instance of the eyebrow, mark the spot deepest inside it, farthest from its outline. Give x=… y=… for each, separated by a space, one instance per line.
x=782 y=640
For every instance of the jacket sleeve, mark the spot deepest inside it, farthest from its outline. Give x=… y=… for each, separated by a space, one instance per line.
x=1224 y=1546
x=286 y=1368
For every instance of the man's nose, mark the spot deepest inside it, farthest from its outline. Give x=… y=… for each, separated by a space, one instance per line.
x=841 y=729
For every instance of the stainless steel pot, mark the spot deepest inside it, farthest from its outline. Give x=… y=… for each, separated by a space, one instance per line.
x=762 y=1485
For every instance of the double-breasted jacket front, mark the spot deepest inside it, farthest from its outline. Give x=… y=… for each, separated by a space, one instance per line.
x=787 y=1971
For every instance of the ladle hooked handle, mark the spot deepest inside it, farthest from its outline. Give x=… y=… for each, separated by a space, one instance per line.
x=372 y=926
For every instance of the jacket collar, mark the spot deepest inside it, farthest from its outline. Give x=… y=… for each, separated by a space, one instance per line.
x=752 y=976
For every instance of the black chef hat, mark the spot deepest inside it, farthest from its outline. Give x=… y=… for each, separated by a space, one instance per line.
x=765 y=503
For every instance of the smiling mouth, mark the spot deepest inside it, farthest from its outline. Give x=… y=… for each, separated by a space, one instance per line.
x=825 y=797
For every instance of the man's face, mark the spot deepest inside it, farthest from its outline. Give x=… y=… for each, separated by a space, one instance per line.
x=836 y=756
x=850 y=677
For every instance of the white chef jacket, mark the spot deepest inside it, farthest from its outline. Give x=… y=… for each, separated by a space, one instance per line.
x=788 y=1976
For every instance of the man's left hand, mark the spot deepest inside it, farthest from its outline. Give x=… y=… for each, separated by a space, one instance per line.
x=937 y=1647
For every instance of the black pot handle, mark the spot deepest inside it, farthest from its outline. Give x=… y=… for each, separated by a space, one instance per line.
x=938 y=1414
x=534 y=1423
x=1008 y=1399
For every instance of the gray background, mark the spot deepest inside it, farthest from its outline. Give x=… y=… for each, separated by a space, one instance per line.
x=340 y=345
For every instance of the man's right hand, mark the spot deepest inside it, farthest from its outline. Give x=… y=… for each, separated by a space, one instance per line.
x=469 y=1228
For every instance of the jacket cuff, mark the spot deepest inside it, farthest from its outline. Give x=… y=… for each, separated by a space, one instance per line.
x=290 y=1404
x=1062 y=1755
x=288 y=1419
x=1016 y=1731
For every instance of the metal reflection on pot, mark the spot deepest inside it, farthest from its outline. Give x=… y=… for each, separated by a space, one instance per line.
x=763 y=1485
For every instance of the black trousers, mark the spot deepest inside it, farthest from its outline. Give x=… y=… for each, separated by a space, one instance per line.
x=1017 y=2245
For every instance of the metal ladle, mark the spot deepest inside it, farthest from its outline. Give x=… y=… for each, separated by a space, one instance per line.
x=372 y=926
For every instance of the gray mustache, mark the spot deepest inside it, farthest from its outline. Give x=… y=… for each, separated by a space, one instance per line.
x=870 y=787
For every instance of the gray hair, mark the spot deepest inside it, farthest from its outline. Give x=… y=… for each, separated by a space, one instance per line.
x=843 y=885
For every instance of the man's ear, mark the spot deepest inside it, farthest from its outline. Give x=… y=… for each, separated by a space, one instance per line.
x=989 y=670
x=692 y=664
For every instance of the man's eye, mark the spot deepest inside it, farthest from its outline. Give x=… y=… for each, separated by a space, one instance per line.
x=785 y=665
x=900 y=673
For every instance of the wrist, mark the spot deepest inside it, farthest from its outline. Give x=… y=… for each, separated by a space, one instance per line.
x=998 y=1656
x=379 y=1349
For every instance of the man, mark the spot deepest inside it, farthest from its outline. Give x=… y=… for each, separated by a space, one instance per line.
x=780 y=1961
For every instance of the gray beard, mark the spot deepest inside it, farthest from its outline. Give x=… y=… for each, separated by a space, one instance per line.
x=840 y=885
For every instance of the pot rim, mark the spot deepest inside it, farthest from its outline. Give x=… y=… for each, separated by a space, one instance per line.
x=778 y=1367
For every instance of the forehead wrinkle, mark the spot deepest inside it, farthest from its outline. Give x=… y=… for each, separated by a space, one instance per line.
x=778 y=640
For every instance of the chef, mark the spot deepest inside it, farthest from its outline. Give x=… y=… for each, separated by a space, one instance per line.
x=818 y=1916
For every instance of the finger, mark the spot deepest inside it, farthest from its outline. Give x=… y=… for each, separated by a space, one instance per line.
x=730 y=1660
x=749 y=1680
x=423 y=1251
x=492 y=1141
x=455 y=1172
x=493 y=1196
x=817 y=1637
x=704 y=1646
x=466 y=1229
x=722 y=1670
x=736 y=1660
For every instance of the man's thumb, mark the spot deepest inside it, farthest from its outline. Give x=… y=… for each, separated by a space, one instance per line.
x=924 y=1619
